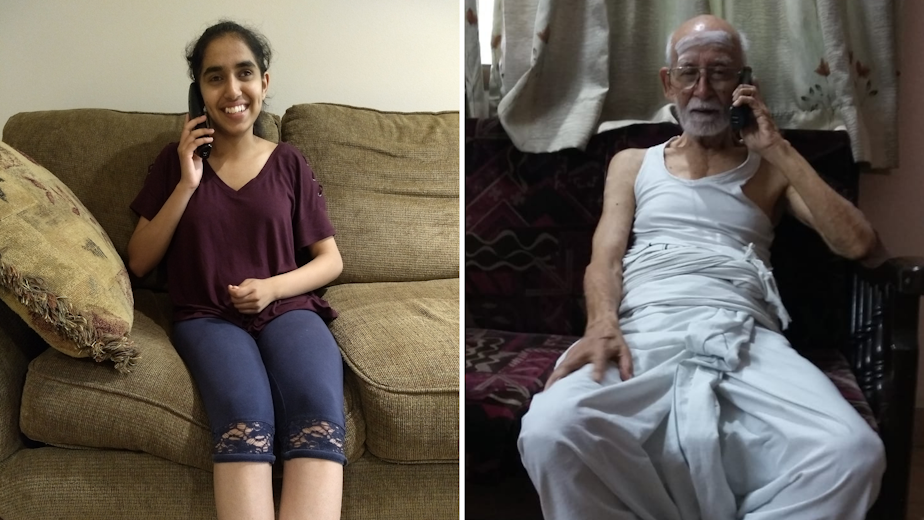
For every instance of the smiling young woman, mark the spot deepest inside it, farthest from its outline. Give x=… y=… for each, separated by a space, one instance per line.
x=247 y=323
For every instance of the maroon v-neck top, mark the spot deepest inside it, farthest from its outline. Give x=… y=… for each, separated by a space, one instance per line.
x=227 y=236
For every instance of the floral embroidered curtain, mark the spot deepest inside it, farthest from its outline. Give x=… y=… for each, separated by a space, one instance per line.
x=563 y=71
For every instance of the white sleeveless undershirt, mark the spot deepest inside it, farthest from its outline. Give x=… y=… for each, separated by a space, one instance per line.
x=711 y=212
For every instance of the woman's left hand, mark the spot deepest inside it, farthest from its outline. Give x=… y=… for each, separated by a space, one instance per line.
x=762 y=133
x=252 y=295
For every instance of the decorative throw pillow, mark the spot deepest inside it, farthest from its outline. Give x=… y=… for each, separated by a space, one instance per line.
x=58 y=269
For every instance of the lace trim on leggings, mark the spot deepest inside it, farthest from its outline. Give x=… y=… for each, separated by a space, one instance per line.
x=252 y=437
x=315 y=434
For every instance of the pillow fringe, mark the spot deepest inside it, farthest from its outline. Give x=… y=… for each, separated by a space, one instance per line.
x=58 y=312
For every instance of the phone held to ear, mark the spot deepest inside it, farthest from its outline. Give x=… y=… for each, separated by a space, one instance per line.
x=196 y=109
x=742 y=115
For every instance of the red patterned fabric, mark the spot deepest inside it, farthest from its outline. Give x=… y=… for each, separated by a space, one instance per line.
x=529 y=220
x=503 y=371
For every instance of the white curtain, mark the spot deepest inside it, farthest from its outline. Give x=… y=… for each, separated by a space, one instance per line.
x=476 y=99
x=565 y=70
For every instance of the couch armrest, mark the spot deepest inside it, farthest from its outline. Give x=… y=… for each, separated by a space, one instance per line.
x=884 y=328
x=883 y=354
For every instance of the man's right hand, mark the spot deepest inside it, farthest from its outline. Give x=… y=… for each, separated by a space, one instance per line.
x=598 y=347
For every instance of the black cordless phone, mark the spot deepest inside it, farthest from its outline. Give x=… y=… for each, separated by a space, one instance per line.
x=196 y=109
x=741 y=116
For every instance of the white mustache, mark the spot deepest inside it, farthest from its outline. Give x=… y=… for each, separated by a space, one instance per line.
x=697 y=123
x=697 y=104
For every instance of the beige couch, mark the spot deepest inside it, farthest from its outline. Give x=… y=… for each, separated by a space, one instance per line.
x=80 y=440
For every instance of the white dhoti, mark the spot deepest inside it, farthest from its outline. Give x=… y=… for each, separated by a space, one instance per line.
x=722 y=420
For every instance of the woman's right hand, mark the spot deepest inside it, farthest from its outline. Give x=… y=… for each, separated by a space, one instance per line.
x=190 y=163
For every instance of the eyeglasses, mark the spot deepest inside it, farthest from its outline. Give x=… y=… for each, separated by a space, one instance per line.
x=686 y=78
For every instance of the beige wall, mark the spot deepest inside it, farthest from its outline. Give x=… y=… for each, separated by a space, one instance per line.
x=57 y=54
x=895 y=202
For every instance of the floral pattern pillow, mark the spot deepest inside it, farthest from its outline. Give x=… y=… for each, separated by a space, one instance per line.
x=58 y=269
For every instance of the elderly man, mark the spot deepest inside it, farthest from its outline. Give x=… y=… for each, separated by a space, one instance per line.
x=683 y=401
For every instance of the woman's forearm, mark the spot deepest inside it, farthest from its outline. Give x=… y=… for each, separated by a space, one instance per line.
x=320 y=271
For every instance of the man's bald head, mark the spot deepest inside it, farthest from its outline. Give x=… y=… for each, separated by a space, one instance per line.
x=703 y=30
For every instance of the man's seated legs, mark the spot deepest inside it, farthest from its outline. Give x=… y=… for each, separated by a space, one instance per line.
x=582 y=442
x=792 y=446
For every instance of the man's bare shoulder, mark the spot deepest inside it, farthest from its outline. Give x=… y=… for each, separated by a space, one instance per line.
x=626 y=164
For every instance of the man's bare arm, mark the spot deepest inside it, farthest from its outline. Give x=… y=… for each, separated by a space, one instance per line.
x=841 y=225
x=603 y=277
x=602 y=341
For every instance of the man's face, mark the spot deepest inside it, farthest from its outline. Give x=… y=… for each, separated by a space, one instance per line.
x=703 y=105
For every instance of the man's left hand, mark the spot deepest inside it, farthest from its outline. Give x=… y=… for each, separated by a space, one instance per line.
x=762 y=133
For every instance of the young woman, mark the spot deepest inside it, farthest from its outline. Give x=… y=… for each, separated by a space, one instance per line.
x=247 y=324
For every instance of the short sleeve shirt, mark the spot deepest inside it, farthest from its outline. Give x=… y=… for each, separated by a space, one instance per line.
x=225 y=236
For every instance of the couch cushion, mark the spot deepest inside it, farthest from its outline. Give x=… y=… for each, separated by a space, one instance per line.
x=392 y=186
x=373 y=489
x=52 y=483
x=401 y=342
x=61 y=484
x=503 y=371
x=103 y=157
x=58 y=269
x=156 y=409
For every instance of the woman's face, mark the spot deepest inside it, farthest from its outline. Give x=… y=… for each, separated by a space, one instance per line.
x=232 y=87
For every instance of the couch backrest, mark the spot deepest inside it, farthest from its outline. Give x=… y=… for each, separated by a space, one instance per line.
x=529 y=220
x=391 y=179
x=392 y=185
x=103 y=157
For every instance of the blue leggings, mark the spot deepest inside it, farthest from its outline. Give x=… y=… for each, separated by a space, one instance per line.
x=290 y=375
